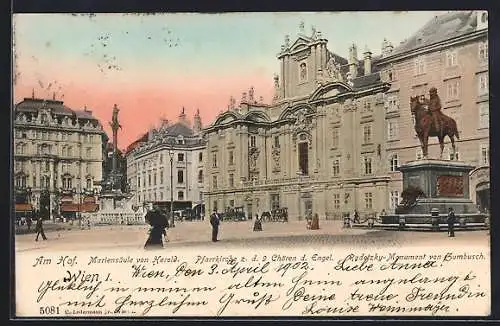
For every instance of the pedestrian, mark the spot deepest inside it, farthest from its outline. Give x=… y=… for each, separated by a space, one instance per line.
x=315 y=222
x=257 y=226
x=158 y=223
x=39 y=229
x=215 y=221
x=29 y=222
x=356 y=216
x=451 y=222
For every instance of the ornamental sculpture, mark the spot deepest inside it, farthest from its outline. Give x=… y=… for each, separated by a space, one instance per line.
x=431 y=122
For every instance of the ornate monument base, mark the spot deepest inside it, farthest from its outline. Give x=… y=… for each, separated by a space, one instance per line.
x=116 y=209
x=430 y=188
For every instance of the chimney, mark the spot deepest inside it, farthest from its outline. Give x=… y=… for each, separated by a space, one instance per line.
x=368 y=61
x=353 y=61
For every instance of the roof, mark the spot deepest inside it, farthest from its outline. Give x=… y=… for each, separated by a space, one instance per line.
x=440 y=28
x=84 y=114
x=57 y=107
x=133 y=145
x=180 y=129
x=366 y=81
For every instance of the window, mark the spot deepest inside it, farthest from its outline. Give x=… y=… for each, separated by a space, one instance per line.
x=368 y=200
x=275 y=201
x=336 y=201
x=252 y=141
x=47 y=167
x=231 y=203
x=161 y=176
x=453 y=89
x=46 y=182
x=485 y=154
x=277 y=141
x=483 y=51
x=484 y=17
x=392 y=129
x=304 y=158
x=231 y=158
x=484 y=115
x=21 y=181
x=367 y=134
x=70 y=151
x=89 y=183
x=154 y=178
x=215 y=205
x=394 y=199
x=391 y=75
x=138 y=181
x=231 y=180
x=367 y=162
x=200 y=157
x=392 y=103
x=483 y=87
x=419 y=154
x=180 y=157
x=451 y=58
x=336 y=167
x=394 y=163
x=149 y=179
x=200 y=176
x=180 y=176
x=180 y=195
x=44 y=118
x=161 y=158
x=303 y=71
x=214 y=182
x=335 y=138
x=419 y=66
x=214 y=160
x=87 y=167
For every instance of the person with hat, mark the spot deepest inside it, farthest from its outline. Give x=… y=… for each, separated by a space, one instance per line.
x=215 y=221
x=434 y=105
x=451 y=222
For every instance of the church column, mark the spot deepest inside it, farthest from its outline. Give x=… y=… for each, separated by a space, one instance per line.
x=59 y=172
x=315 y=63
x=51 y=167
x=282 y=77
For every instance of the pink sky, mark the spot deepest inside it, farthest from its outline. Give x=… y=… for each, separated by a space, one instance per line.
x=169 y=61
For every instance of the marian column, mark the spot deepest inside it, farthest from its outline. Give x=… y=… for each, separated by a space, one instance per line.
x=115 y=125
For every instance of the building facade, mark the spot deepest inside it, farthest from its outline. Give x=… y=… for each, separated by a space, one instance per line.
x=450 y=53
x=168 y=162
x=58 y=155
x=337 y=129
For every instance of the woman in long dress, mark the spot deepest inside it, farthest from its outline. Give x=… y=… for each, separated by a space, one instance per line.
x=158 y=223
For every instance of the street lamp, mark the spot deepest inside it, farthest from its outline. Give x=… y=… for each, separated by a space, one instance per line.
x=171 y=154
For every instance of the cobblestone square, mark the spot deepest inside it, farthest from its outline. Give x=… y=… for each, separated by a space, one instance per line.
x=240 y=234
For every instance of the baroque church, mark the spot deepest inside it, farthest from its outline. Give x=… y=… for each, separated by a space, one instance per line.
x=319 y=147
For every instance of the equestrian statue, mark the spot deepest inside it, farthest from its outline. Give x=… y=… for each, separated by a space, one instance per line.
x=431 y=122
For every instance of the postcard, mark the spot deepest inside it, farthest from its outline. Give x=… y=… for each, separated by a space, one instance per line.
x=305 y=164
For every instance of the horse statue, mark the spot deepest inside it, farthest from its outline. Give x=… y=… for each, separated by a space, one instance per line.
x=425 y=127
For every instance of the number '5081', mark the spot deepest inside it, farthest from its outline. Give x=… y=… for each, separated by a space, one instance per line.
x=50 y=310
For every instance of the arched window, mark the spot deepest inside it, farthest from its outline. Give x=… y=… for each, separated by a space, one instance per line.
x=89 y=183
x=394 y=163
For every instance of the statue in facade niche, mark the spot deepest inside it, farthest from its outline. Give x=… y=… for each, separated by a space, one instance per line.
x=254 y=154
x=276 y=158
x=251 y=93
x=333 y=69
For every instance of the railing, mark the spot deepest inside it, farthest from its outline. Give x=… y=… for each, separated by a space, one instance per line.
x=277 y=181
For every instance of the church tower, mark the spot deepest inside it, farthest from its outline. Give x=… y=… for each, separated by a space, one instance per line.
x=197 y=126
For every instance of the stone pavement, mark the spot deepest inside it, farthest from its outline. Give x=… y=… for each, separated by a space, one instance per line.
x=233 y=234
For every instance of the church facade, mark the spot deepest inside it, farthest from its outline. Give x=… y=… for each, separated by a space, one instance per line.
x=332 y=138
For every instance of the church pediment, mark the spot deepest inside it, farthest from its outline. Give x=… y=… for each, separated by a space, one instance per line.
x=257 y=116
x=227 y=117
x=300 y=44
x=330 y=90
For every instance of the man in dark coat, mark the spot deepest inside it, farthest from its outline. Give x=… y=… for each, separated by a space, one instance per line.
x=39 y=228
x=451 y=222
x=215 y=221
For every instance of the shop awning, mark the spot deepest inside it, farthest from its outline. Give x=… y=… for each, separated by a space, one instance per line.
x=23 y=207
x=85 y=207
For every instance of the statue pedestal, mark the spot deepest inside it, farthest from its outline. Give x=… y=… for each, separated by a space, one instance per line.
x=444 y=184
x=116 y=209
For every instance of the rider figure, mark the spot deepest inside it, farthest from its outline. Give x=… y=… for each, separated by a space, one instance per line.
x=434 y=105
